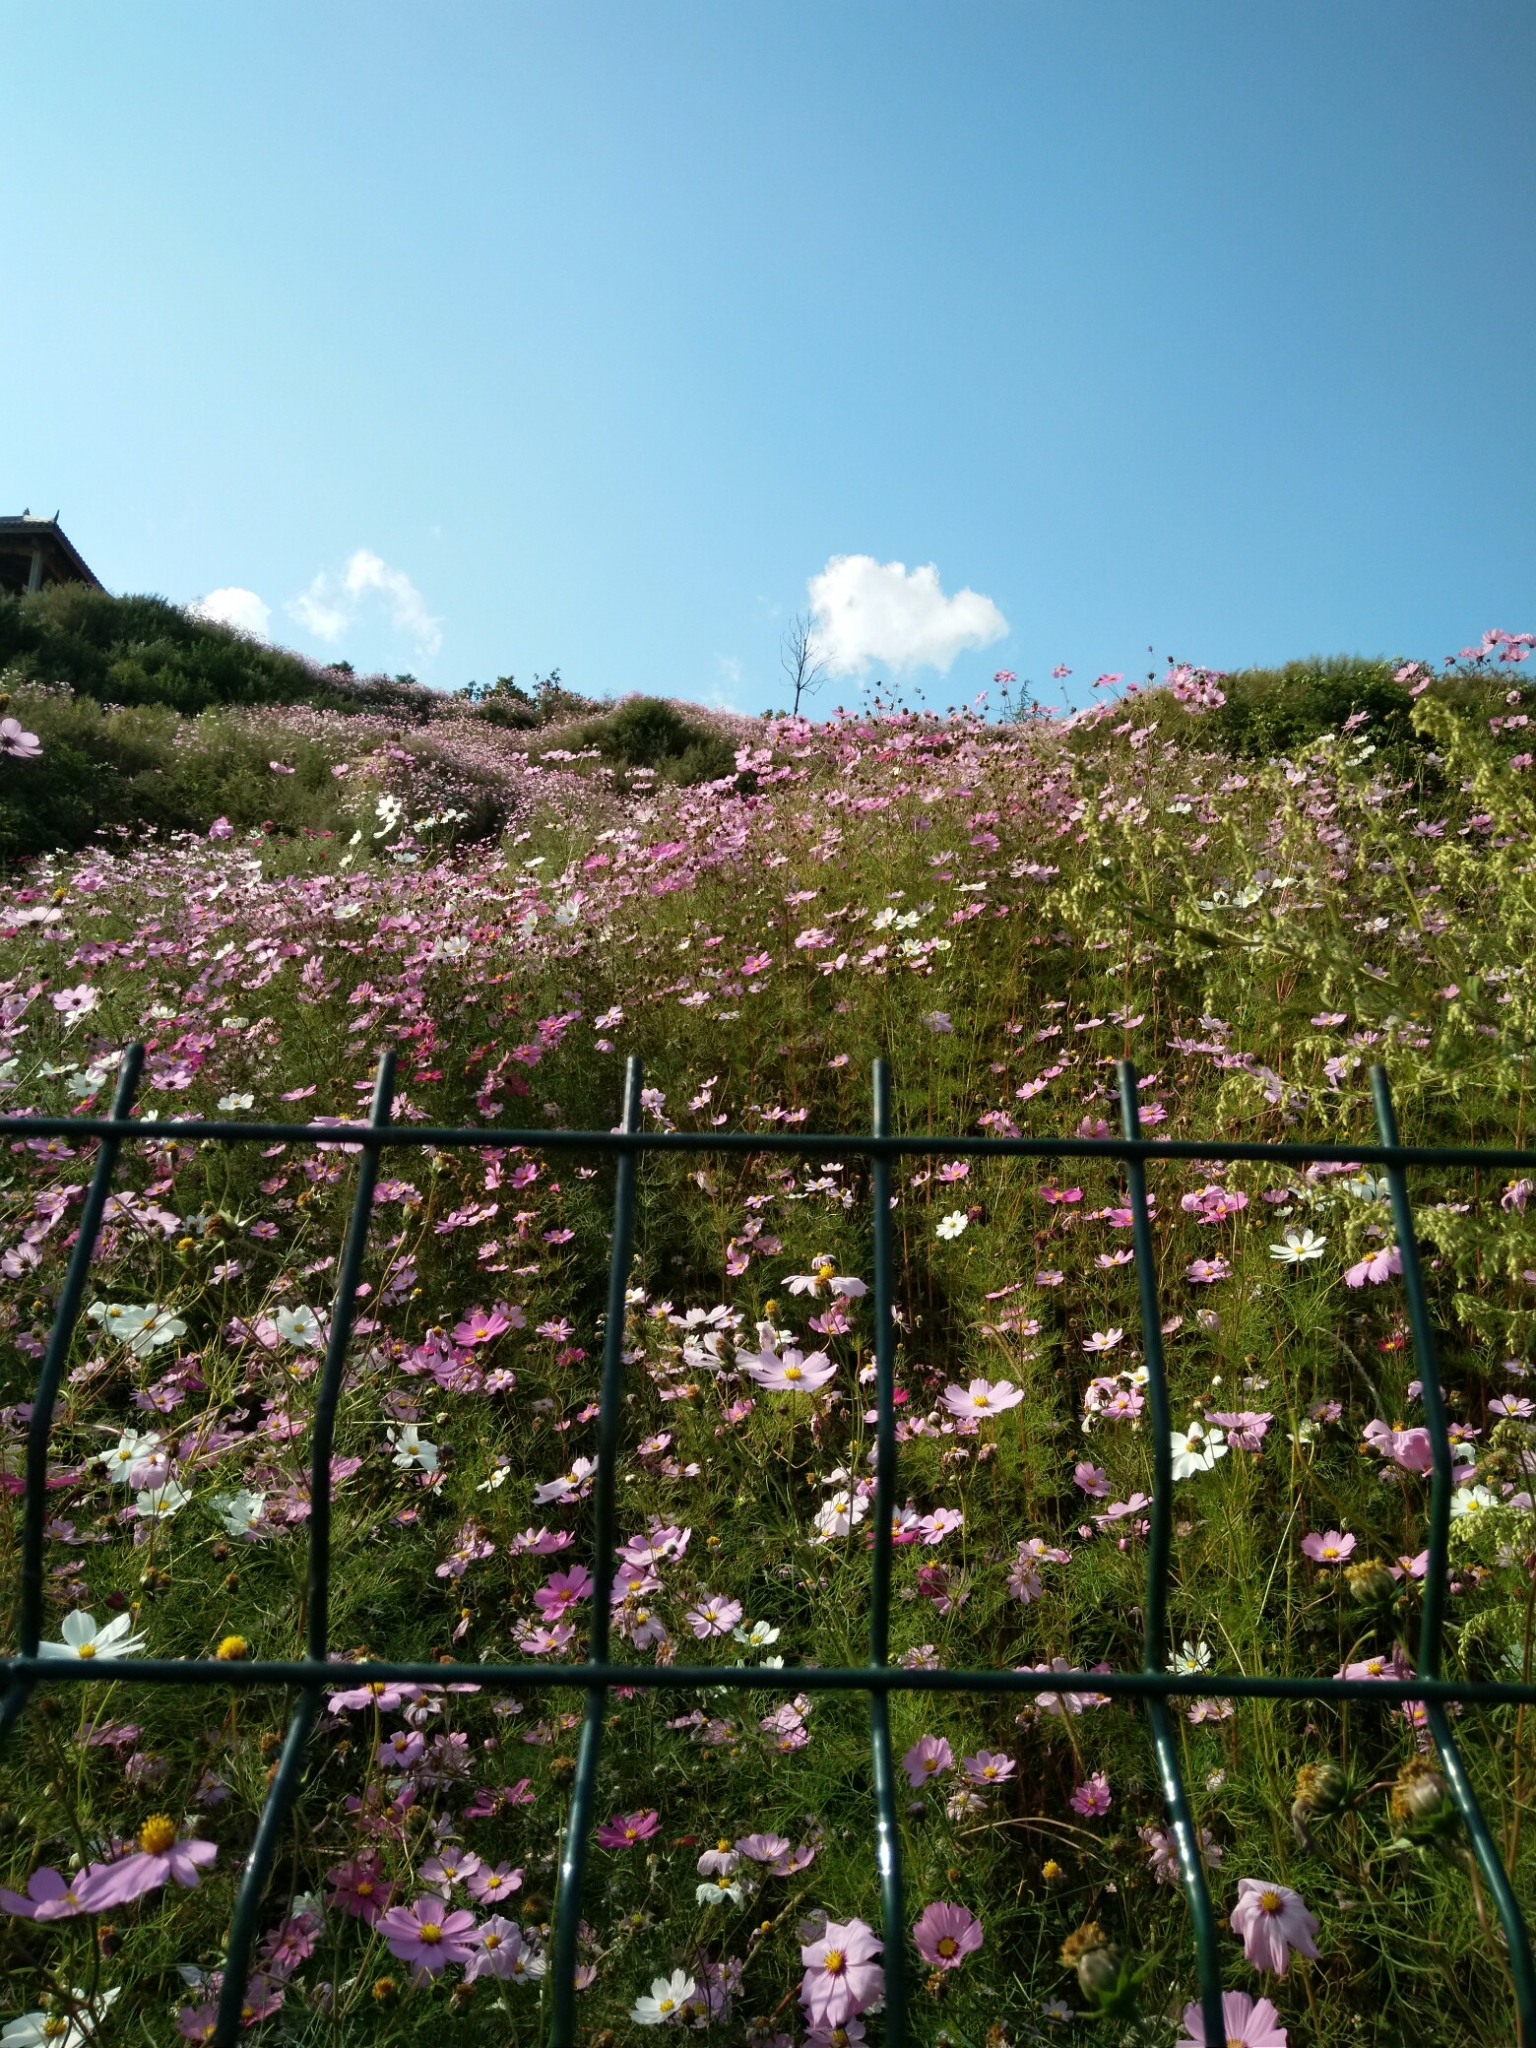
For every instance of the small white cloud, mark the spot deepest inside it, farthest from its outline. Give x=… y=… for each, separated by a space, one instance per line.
x=232 y=606
x=332 y=603
x=864 y=611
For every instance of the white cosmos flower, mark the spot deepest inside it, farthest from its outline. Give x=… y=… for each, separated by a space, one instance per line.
x=1471 y=1500
x=1196 y=1449
x=82 y=1638
x=142 y=1329
x=130 y=1449
x=1297 y=1247
x=758 y=1634
x=236 y=1101
x=1193 y=1657
x=952 y=1225
x=49 y=2030
x=716 y=1891
x=159 y=1503
x=412 y=1448
x=1103 y=1340
x=242 y=1513
x=666 y=2000
x=300 y=1326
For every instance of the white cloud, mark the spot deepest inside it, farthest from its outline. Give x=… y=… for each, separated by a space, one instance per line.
x=232 y=606
x=864 y=611
x=332 y=603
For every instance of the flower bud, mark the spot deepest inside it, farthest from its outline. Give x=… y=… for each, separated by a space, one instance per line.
x=1321 y=1788
x=1098 y=1962
x=1420 y=1801
x=1369 y=1581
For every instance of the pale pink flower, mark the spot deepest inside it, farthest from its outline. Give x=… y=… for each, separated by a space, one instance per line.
x=982 y=1398
x=841 y=1974
x=1331 y=1548
x=926 y=1757
x=988 y=1767
x=945 y=1935
x=1092 y=1796
x=1271 y=1920
x=1247 y=2023
x=428 y=1934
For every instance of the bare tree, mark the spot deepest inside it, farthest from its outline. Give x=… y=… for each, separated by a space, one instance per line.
x=802 y=664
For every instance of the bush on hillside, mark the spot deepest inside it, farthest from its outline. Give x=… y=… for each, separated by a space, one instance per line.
x=1273 y=711
x=648 y=732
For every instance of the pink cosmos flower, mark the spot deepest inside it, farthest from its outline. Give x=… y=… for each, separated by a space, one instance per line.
x=1331 y=1548
x=360 y=1887
x=49 y=1897
x=1375 y=1268
x=1409 y=1448
x=161 y=1856
x=1248 y=2023
x=1203 y=1272
x=24 y=746
x=1092 y=1479
x=450 y=1867
x=480 y=1326
x=926 y=1757
x=428 y=1934
x=221 y=828
x=988 y=1767
x=841 y=1975
x=763 y=1848
x=792 y=1372
x=487 y=1886
x=546 y=1642
x=625 y=1829
x=1271 y=1920
x=945 y=1935
x=982 y=1398
x=1092 y=1796
x=501 y=1950
x=561 y=1590
x=714 y=1617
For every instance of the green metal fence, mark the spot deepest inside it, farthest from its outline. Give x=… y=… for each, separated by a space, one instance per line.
x=1153 y=1683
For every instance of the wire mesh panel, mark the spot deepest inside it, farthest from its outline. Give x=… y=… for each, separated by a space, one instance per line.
x=1155 y=1684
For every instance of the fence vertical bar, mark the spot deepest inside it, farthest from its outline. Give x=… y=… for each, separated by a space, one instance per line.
x=45 y=1399
x=1159 y=1564
x=1432 y=1622
x=290 y=1767
x=887 y=1837
x=578 y=1823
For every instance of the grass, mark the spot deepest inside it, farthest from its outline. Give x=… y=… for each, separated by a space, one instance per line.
x=999 y=911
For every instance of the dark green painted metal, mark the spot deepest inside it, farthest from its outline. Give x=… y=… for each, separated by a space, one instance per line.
x=1437 y=1572
x=34 y=1514
x=1155 y=1641
x=579 y=1820
x=887 y=1826
x=1155 y=1685
x=290 y=1770
x=1384 y=1692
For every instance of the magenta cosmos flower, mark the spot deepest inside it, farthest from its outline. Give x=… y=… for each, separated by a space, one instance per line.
x=1331 y=1548
x=841 y=1974
x=159 y=1858
x=625 y=1829
x=360 y=1887
x=946 y=1935
x=926 y=1758
x=1092 y=1796
x=1271 y=1920
x=1249 y=2023
x=428 y=1934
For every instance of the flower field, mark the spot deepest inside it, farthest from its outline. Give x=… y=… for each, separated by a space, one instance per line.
x=1002 y=911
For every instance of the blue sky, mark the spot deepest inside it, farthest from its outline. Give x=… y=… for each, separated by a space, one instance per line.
x=476 y=339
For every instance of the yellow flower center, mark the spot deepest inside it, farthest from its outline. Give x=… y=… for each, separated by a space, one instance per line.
x=54 y=2027
x=87 y=1650
x=835 y=1961
x=232 y=1649
x=667 y=2005
x=722 y=1845
x=1270 y=1901
x=365 y=1888
x=989 y=1770
x=947 y=1945
x=978 y=1400
x=430 y=1931
x=157 y=1834
x=791 y=1372
x=825 y=1270
x=492 y=1941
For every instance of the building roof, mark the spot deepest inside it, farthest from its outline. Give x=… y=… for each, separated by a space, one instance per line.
x=25 y=539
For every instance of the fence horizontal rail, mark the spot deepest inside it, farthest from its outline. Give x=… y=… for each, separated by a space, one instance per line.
x=807 y=1144
x=249 y=1674
x=28 y=1671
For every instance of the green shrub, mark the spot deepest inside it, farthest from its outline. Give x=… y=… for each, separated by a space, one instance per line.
x=1273 y=711
x=648 y=732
